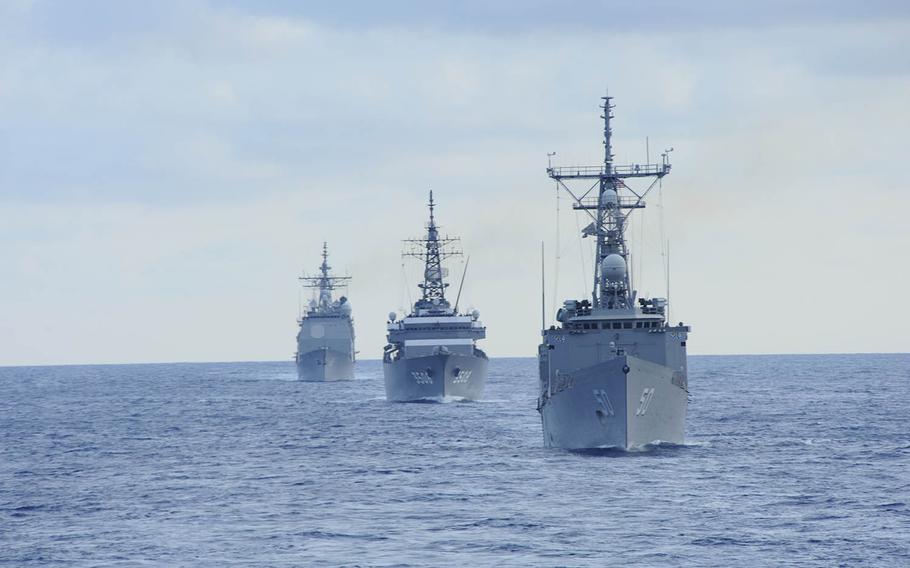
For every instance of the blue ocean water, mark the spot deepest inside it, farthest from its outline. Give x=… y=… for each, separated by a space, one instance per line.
x=791 y=460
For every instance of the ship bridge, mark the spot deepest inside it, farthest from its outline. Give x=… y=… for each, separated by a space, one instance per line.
x=448 y=327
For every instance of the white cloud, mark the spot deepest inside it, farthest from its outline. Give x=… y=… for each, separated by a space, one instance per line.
x=160 y=191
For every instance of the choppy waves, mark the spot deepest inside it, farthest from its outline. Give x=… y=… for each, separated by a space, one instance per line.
x=789 y=461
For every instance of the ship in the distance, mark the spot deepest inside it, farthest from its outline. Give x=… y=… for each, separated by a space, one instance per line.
x=432 y=354
x=325 y=340
x=613 y=370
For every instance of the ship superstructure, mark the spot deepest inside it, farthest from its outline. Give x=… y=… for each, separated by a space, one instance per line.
x=325 y=340
x=432 y=352
x=612 y=370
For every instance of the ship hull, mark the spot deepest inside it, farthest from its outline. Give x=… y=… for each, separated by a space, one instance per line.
x=435 y=378
x=325 y=365
x=623 y=403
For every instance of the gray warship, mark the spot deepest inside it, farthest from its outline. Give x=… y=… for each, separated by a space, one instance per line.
x=613 y=370
x=325 y=341
x=432 y=352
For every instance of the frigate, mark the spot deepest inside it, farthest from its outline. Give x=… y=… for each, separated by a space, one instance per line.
x=432 y=353
x=613 y=369
x=325 y=340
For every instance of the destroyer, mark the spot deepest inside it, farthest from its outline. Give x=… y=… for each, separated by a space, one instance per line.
x=613 y=371
x=432 y=352
x=325 y=341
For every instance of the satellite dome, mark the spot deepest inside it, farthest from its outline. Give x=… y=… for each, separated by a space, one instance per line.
x=345 y=308
x=611 y=198
x=613 y=268
x=475 y=314
x=392 y=316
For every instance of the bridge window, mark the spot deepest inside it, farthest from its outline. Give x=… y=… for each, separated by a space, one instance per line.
x=638 y=325
x=617 y=325
x=627 y=325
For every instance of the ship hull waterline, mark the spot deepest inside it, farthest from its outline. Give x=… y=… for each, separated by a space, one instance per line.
x=435 y=378
x=625 y=403
x=322 y=365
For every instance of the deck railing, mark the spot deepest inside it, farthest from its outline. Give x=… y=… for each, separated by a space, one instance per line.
x=622 y=171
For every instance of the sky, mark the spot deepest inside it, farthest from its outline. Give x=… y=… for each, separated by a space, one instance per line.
x=168 y=169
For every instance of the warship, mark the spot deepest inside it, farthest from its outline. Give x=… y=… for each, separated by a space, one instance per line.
x=613 y=369
x=432 y=352
x=325 y=341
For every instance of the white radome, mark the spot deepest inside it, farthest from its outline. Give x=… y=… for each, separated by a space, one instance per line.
x=611 y=198
x=613 y=268
x=392 y=316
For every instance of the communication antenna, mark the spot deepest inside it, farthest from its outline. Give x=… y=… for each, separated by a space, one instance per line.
x=543 y=295
x=668 y=284
x=556 y=252
x=463 y=272
x=407 y=288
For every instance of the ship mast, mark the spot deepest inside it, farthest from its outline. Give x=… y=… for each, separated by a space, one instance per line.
x=324 y=283
x=432 y=250
x=613 y=292
x=609 y=213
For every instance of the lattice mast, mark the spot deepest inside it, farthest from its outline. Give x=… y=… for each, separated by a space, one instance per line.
x=612 y=288
x=432 y=250
x=324 y=282
x=611 y=224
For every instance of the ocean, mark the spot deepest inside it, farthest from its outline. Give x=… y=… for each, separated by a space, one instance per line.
x=789 y=461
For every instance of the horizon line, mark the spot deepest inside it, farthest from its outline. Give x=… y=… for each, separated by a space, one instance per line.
x=113 y=364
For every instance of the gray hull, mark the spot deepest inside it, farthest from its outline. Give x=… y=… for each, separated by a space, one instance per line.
x=435 y=377
x=625 y=402
x=325 y=365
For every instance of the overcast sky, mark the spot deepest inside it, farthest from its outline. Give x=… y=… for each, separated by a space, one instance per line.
x=167 y=169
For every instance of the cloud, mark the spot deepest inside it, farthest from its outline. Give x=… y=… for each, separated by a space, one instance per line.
x=167 y=170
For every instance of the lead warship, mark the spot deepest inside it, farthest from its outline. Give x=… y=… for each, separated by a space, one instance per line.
x=325 y=341
x=613 y=371
x=432 y=352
